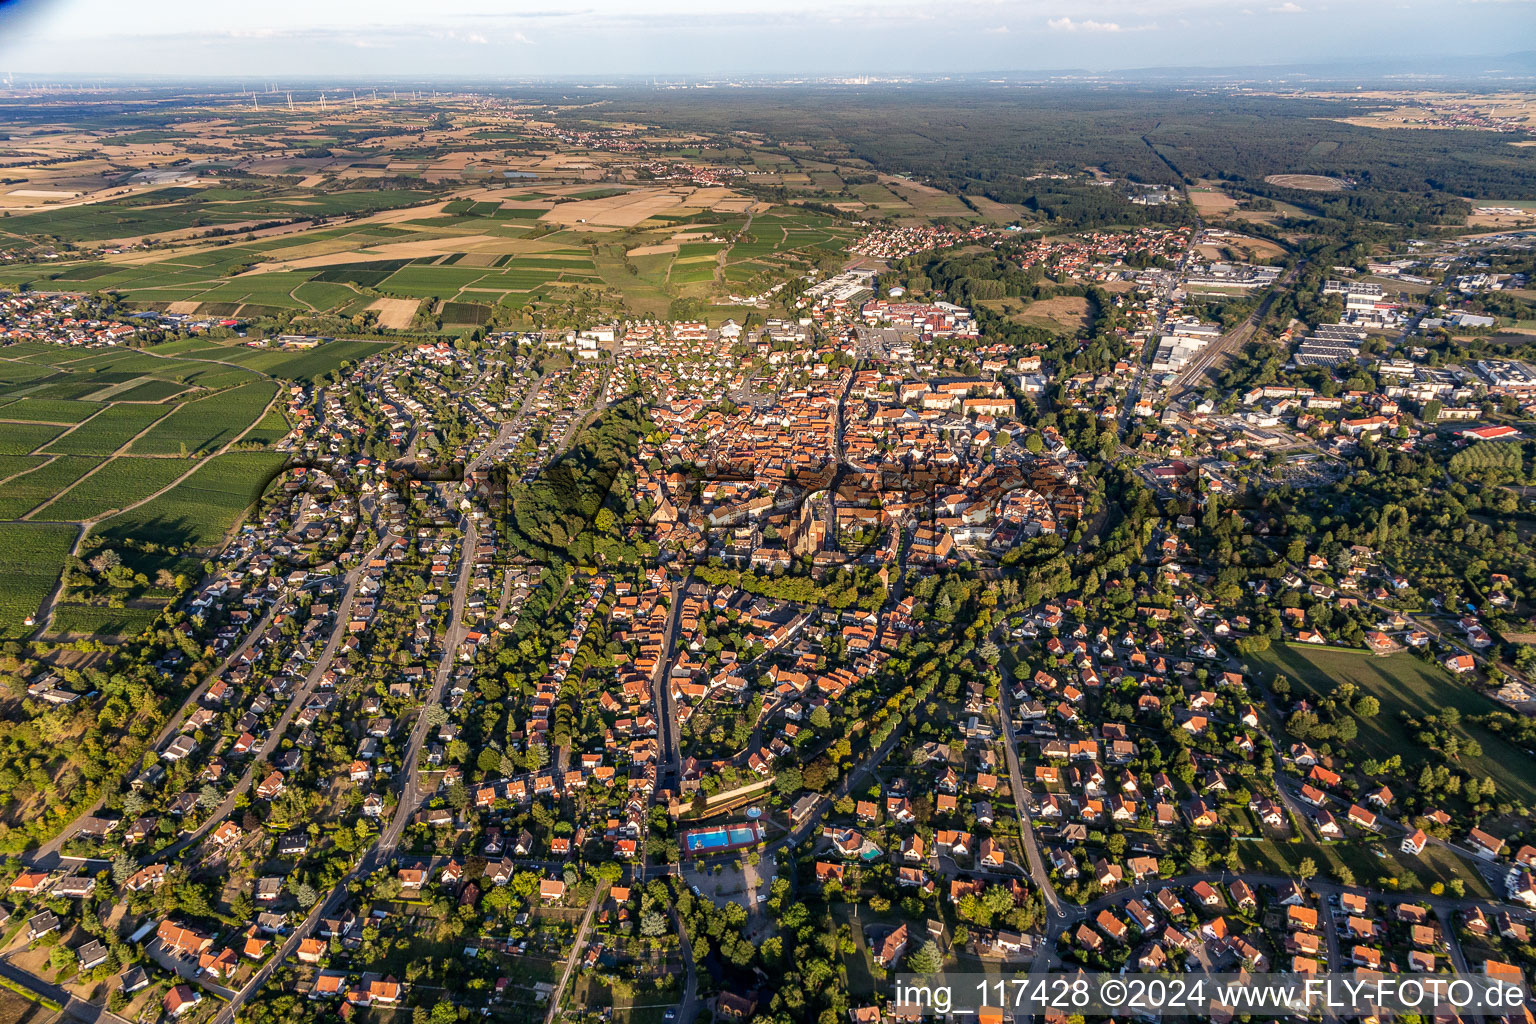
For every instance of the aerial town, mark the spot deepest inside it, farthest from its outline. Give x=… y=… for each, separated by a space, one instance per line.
x=690 y=583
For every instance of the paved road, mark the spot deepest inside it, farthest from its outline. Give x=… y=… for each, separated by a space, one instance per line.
x=300 y=698
x=688 y=1007
x=74 y=1009
x=670 y=735
x=577 y=945
x=410 y=797
x=412 y=794
x=1037 y=868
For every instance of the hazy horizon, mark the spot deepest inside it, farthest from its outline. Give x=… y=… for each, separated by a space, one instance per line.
x=685 y=38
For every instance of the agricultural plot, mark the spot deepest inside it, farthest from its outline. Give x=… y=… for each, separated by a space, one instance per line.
x=201 y=510
x=43 y=410
x=298 y=364
x=149 y=391
x=67 y=388
x=697 y=271
x=325 y=294
x=24 y=493
x=15 y=375
x=178 y=208
x=31 y=559
x=419 y=282
x=108 y=430
x=207 y=423
x=270 y=429
x=113 y=487
x=22 y=438
x=465 y=313
x=11 y=465
x=77 y=620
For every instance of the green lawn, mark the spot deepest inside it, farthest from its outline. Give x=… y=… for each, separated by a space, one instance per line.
x=1403 y=683
x=1360 y=856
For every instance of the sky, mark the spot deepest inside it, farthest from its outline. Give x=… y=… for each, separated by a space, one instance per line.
x=515 y=39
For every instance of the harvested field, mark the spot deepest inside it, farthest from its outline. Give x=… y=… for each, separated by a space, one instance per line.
x=653 y=250
x=630 y=208
x=1212 y=202
x=395 y=313
x=1064 y=314
x=998 y=213
x=927 y=200
x=386 y=251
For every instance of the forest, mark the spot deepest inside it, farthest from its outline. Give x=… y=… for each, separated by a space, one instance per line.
x=994 y=140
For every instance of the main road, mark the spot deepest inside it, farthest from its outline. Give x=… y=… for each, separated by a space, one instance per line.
x=1037 y=869
x=300 y=698
x=411 y=792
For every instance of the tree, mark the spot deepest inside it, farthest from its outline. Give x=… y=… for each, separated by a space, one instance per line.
x=61 y=957
x=1307 y=869
x=926 y=960
x=304 y=893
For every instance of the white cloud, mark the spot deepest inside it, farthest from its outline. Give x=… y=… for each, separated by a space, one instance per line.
x=1066 y=24
x=1288 y=8
x=1000 y=30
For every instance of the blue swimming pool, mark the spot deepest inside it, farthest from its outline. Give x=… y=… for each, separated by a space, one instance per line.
x=713 y=840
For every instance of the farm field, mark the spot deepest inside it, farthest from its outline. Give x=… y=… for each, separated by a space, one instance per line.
x=1403 y=683
x=31 y=559
x=199 y=511
x=207 y=423
x=11 y=465
x=176 y=208
x=24 y=493
x=116 y=485
x=42 y=410
x=59 y=438
x=514 y=254
x=292 y=364
x=108 y=430
x=77 y=620
x=147 y=391
x=21 y=438
x=1064 y=314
